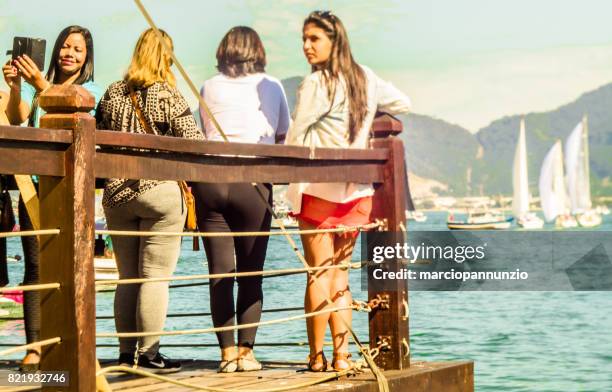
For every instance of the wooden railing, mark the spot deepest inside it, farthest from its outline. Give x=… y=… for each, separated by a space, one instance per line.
x=63 y=153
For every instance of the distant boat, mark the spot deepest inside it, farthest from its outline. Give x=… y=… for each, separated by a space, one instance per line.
x=578 y=176
x=417 y=216
x=480 y=220
x=520 y=184
x=553 y=194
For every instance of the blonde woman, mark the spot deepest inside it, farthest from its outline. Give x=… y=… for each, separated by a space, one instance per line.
x=335 y=108
x=145 y=101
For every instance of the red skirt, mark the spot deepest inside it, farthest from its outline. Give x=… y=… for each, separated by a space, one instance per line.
x=324 y=214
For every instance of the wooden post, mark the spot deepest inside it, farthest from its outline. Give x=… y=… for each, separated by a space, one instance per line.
x=67 y=203
x=389 y=323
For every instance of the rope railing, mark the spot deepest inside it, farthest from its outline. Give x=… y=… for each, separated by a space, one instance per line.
x=203 y=314
x=26 y=347
x=347 y=229
x=229 y=275
x=221 y=329
x=205 y=345
x=112 y=289
x=28 y=233
x=30 y=287
x=355 y=265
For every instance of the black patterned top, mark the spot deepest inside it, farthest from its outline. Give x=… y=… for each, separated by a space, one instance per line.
x=166 y=112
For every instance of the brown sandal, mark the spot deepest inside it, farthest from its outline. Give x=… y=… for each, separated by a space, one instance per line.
x=31 y=362
x=317 y=362
x=339 y=358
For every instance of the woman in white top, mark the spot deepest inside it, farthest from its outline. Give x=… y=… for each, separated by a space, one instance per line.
x=335 y=108
x=250 y=107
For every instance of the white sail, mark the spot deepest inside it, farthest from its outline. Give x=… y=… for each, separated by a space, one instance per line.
x=577 y=168
x=520 y=183
x=553 y=196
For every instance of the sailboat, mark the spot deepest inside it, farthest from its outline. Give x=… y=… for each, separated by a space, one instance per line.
x=578 y=176
x=553 y=194
x=520 y=184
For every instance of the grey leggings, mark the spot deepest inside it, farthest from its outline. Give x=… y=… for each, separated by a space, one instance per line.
x=143 y=307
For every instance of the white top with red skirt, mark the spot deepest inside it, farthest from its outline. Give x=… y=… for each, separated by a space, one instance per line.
x=317 y=122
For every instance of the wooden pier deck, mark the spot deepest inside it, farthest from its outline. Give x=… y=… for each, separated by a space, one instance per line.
x=420 y=377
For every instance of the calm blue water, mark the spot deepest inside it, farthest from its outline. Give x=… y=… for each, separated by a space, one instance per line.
x=520 y=341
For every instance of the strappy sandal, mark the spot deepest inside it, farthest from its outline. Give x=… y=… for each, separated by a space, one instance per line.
x=317 y=362
x=228 y=366
x=339 y=358
x=248 y=363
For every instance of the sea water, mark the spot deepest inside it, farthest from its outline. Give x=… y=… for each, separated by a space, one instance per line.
x=519 y=341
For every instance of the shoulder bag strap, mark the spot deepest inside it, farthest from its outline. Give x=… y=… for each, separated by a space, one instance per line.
x=145 y=125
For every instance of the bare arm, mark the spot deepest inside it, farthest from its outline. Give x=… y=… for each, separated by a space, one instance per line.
x=14 y=72
x=16 y=111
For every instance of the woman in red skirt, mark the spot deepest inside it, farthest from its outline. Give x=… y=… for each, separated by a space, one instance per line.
x=335 y=108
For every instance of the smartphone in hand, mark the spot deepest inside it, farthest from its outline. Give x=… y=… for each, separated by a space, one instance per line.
x=33 y=47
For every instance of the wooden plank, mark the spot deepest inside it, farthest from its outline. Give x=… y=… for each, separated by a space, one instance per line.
x=173 y=144
x=63 y=136
x=22 y=160
x=68 y=203
x=226 y=169
x=455 y=376
x=386 y=125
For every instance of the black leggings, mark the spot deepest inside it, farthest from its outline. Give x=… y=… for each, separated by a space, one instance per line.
x=234 y=208
x=31 y=299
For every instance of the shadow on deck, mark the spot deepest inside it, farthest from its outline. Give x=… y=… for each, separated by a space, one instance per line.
x=420 y=377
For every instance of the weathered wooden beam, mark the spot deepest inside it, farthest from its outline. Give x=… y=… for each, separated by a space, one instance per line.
x=179 y=145
x=20 y=159
x=67 y=203
x=390 y=324
x=124 y=164
x=8 y=132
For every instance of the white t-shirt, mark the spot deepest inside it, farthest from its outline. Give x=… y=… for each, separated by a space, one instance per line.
x=249 y=109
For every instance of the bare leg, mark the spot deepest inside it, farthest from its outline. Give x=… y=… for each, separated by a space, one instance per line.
x=341 y=295
x=318 y=250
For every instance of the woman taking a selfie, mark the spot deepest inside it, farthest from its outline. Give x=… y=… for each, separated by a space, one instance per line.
x=146 y=101
x=250 y=107
x=72 y=62
x=335 y=108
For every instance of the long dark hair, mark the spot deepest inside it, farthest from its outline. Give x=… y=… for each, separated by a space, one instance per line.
x=241 y=53
x=341 y=62
x=87 y=71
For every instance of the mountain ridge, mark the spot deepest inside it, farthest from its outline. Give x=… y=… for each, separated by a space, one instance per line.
x=480 y=163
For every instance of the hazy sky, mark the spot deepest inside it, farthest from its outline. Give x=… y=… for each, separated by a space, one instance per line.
x=464 y=61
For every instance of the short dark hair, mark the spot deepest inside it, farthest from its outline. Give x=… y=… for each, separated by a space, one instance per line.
x=241 y=53
x=87 y=72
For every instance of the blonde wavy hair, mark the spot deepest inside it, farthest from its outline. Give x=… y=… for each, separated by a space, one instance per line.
x=150 y=62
